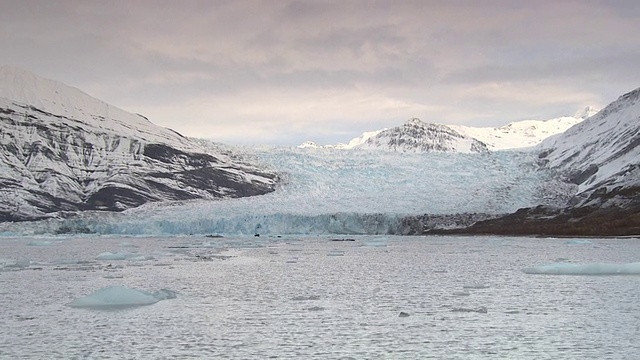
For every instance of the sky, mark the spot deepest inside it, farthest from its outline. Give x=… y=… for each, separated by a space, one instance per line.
x=282 y=72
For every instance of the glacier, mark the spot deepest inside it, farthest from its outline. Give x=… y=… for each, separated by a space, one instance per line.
x=329 y=191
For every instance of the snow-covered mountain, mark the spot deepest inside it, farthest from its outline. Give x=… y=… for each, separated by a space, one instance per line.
x=412 y=136
x=61 y=149
x=525 y=133
x=417 y=136
x=602 y=153
x=515 y=135
x=354 y=143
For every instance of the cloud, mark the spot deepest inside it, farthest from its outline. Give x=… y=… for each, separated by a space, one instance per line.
x=285 y=71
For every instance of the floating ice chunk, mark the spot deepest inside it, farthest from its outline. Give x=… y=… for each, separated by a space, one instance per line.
x=14 y=263
x=316 y=308
x=585 y=269
x=462 y=293
x=120 y=296
x=306 y=298
x=381 y=242
x=114 y=256
x=41 y=243
x=142 y=258
x=481 y=310
x=126 y=244
x=475 y=286
x=578 y=242
x=113 y=276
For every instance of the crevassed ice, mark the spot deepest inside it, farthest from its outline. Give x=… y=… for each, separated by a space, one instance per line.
x=349 y=192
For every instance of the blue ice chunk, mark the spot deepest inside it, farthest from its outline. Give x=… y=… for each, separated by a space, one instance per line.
x=114 y=256
x=120 y=296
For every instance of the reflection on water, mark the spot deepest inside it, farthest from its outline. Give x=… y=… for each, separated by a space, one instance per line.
x=375 y=297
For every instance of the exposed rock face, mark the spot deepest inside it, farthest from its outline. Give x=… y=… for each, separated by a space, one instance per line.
x=62 y=150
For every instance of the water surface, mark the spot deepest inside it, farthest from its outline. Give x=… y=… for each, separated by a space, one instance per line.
x=466 y=298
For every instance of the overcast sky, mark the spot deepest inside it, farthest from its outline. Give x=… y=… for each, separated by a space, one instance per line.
x=281 y=72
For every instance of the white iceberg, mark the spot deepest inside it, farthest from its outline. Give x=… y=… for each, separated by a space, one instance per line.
x=114 y=256
x=475 y=286
x=41 y=243
x=585 y=269
x=120 y=296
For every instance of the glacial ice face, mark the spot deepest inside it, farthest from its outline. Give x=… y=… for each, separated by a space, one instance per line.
x=585 y=269
x=328 y=191
x=120 y=296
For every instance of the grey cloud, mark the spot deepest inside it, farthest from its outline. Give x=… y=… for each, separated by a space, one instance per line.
x=185 y=55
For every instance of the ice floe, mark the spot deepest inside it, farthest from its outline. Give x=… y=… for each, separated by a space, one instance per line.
x=42 y=243
x=577 y=242
x=480 y=310
x=475 y=286
x=120 y=296
x=462 y=293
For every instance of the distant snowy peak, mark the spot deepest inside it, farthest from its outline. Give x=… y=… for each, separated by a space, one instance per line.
x=412 y=136
x=585 y=113
x=309 y=145
x=354 y=143
x=515 y=135
x=417 y=136
x=526 y=133
x=603 y=150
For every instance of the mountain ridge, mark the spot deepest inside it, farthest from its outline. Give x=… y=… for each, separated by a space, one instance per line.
x=63 y=150
x=514 y=135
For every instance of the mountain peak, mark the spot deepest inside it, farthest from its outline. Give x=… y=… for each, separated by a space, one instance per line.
x=414 y=121
x=587 y=112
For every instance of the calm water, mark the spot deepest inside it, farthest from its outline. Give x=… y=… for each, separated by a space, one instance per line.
x=257 y=298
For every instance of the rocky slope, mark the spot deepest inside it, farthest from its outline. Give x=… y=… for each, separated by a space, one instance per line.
x=62 y=150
